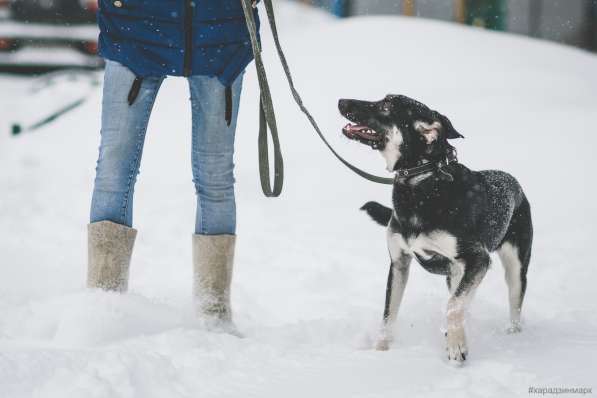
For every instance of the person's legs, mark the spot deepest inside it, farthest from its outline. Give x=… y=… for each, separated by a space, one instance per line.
x=212 y=155
x=122 y=138
x=110 y=234
x=213 y=175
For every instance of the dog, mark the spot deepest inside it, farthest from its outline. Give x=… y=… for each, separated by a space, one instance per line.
x=445 y=215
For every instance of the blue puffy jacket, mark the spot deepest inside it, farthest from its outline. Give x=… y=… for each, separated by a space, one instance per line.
x=176 y=37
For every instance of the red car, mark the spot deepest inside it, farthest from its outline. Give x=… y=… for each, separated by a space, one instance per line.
x=48 y=34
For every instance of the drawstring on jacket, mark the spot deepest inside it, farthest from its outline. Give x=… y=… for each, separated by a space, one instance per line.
x=228 y=100
x=134 y=91
x=136 y=87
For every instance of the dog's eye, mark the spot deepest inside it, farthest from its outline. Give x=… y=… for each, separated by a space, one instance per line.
x=386 y=107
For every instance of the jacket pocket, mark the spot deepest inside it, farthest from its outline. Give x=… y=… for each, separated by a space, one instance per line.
x=166 y=10
x=118 y=6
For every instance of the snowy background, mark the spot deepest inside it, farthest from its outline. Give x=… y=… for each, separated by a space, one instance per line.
x=310 y=275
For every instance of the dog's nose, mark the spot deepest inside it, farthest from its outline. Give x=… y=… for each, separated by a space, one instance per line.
x=343 y=105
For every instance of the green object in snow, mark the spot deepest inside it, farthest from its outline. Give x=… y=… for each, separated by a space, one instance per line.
x=16 y=129
x=490 y=14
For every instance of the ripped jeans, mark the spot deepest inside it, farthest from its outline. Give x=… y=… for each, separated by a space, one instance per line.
x=123 y=135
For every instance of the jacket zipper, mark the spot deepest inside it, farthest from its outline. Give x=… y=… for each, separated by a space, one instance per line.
x=188 y=32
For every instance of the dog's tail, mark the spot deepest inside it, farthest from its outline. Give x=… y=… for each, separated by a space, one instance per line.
x=378 y=212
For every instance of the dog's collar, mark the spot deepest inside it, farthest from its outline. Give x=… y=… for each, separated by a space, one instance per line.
x=451 y=157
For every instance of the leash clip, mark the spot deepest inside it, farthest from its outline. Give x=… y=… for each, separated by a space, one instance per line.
x=451 y=156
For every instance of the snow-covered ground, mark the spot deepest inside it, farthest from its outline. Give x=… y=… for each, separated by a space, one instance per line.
x=310 y=277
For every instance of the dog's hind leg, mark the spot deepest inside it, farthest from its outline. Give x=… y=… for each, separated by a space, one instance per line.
x=469 y=270
x=397 y=278
x=515 y=254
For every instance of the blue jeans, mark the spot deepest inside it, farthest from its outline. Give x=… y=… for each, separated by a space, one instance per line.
x=123 y=135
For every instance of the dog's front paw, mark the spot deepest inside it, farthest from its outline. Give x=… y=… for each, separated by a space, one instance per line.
x=384 y=340
x=514 y=328
x=456 y=346
x=383 y=344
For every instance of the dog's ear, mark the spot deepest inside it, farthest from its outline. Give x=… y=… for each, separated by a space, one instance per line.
x=440 y=124
x=430 y=132
x=447 y=128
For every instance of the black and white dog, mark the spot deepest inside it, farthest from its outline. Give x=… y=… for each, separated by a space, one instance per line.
x=446 y=216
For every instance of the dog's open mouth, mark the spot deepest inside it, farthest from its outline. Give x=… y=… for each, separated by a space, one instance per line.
x=363 y=134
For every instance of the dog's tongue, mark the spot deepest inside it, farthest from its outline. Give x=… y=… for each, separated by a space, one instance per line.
x=354 y=127
x=359 y=131
x=354 y=130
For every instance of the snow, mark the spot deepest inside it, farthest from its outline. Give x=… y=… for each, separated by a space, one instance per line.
x=39 y=30
x=55 y=57
x=310 y=275
x=59 y=55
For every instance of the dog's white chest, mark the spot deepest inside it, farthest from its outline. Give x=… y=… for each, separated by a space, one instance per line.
x=423 y=245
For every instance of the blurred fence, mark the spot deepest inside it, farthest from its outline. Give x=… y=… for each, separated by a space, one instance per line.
x=566 y=21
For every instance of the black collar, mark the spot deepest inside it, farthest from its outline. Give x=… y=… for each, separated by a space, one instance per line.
x=427 y=167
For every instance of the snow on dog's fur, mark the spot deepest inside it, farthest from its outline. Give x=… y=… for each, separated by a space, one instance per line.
x=448 y=217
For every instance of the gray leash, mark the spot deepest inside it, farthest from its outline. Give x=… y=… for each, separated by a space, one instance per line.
x=268 y=118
